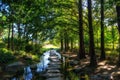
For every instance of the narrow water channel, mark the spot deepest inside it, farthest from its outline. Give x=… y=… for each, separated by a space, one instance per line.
x=28 y=74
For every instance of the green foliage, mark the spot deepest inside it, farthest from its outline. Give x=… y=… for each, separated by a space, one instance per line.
x=29 y=48
x=2 y=44
x=6 y=56
x=73 y=76
x=36 y=49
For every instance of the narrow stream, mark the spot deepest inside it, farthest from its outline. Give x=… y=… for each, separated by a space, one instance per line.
x=41 y=66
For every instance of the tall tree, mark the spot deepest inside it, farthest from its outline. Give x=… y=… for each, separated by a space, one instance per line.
x=9 y=28
x=81 y=54
x=12 y=38
x=118 y=20
x=93 y=61
x=102 y=57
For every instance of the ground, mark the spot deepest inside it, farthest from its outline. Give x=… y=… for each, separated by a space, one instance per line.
x=106 y=67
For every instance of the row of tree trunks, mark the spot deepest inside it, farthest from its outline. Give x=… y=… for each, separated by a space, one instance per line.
x=66 y=42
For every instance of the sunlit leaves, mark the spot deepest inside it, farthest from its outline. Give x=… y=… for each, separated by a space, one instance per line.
x=4 y=18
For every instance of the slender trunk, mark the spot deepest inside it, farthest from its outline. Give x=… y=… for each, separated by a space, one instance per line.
x=93 y=61
x=61 y=43
x=81 y=54
x=19 y=31
x=36 y=49
x=67 y=43
x=26 y=33
x=19 y=37
x=102 y=57
x=12 y=38
x=8 y=46
x=71 y=45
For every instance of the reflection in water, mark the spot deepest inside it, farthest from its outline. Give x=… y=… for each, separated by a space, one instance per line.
x=41 y=66
x=27 y=73
x=15 y=79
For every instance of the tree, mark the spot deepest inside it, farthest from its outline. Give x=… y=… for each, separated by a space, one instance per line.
x=81 y=34
x=102 y=57
x=93 y=61
x=118 y=21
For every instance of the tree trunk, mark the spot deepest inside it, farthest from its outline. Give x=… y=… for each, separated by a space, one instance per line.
x=65 y=41
x=118 y=16
x=119 y=51
x=19 y=37
x=61 y=43
x=71 y=44
x=12 y=38
x=93 y=61
x=26 y=33
x=81 y=54
x=102 y=57
x=19 y=31
x=118 y=20
x=8 y=46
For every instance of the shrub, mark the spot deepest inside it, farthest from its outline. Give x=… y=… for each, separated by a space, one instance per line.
x=2 y=45
x=6 y=56
x=28 y=48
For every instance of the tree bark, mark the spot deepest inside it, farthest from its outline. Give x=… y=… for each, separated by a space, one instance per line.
x=93 y=61
x=118 y=20
x=61 y=43
x=8 y=46
x=19 y=31
x=65 y=41
x=81 y=54
x=102 y=57
x=71 y=44
x=12 y=38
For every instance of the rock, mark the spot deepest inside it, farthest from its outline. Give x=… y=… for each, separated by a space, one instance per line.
x=16 y=64
x=54 y=63
x=14 y=67
x=53 y=71
x=27 y=57
x=74 y=62
x=55 y=78
x=51 y=75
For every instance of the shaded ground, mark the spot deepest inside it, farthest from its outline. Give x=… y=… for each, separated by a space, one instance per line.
x=106 y=68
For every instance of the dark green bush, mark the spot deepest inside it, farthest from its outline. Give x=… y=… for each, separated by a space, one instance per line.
x=6 y=56
x=28 y=48
x=2 y=45
x=36 y=49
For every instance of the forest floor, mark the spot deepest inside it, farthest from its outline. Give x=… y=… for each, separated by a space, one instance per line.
x=106 y=68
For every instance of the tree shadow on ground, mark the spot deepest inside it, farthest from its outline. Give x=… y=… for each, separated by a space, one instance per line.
x=106 y=67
